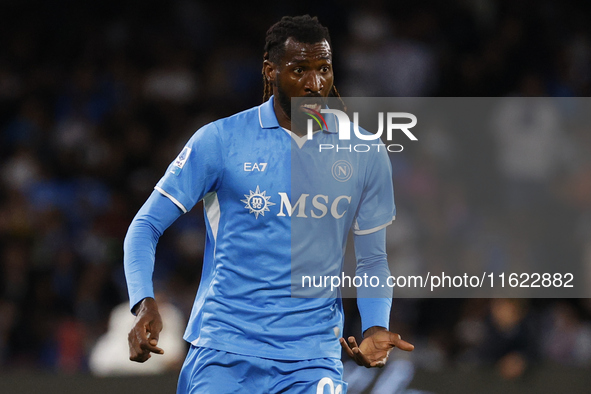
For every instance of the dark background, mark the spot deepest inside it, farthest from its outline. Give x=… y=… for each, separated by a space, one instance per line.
x=96 y=99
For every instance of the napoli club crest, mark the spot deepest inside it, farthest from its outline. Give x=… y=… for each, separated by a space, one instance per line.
x=342 y=170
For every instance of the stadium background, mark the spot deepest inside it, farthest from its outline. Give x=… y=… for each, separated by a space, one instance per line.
x=97 y=99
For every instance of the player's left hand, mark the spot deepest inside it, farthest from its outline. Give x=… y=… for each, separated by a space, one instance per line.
x=375 y=347
x=143 y=337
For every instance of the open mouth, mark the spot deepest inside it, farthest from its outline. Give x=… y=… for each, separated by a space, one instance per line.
x=313 y=110
x=312 y=106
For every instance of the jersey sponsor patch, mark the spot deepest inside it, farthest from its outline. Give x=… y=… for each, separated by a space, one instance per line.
x=180 y=161
x=257 y=202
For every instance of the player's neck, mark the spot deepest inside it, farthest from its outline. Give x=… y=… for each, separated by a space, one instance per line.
x=282 y=117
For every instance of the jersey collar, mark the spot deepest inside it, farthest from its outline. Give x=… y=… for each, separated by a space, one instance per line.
x=268 y=119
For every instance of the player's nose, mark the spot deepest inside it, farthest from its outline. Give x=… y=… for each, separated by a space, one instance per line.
x=314 y=83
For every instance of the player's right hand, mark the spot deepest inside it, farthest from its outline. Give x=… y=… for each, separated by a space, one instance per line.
x=375 y=347
x=143 y=337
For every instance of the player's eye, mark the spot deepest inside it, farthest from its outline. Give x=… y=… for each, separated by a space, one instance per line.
x=325 y=69
x=298 y=70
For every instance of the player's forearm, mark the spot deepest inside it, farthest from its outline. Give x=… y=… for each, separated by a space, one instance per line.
x=374 y=303
x=372 y=261
x=139 y=247
x=375 y=312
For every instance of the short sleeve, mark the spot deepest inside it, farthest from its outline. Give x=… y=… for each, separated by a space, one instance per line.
x=196 y=171
x=376 y=208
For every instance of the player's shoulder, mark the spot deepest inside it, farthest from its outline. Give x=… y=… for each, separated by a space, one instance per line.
x=241 y=120
x=226 y=127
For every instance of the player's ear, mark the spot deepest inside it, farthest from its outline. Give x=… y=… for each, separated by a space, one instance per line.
x=270 y=71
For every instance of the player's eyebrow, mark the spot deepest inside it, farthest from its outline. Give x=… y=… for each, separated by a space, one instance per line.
x=299 y=60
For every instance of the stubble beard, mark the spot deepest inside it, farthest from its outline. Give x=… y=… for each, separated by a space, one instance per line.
x=284 y=100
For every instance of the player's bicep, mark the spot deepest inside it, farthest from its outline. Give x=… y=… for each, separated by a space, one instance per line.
x=370 y=247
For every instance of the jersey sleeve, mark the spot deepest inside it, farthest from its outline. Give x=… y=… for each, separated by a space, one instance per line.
x=196 y=171
x=374 y=303
x=376 y=208
x=139 y=246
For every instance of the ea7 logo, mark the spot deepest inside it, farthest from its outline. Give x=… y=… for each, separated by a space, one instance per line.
x=255 y=166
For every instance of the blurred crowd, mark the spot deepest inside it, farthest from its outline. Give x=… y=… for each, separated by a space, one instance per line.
x=97 y=99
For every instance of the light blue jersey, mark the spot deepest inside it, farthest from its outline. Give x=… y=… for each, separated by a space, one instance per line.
x=272 y=199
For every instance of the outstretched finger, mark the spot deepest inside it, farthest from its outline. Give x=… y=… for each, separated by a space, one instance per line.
x=141 y=344
x=347 y=348
x=150 y=338
x=354 y=351
x=401 y=344
x=151 y=346
x=358 y=355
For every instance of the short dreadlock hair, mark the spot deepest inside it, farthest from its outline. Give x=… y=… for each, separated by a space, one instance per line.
x=304 y=29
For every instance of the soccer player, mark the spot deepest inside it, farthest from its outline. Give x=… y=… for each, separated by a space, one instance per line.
x=270 y=199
